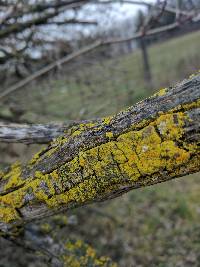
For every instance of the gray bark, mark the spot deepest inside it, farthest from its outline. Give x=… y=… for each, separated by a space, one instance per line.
x=32 y=133
x=154 y=141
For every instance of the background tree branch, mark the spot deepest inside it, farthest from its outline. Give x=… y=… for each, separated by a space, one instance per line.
x=84 y=50
x=46 y=13
x=33 y=133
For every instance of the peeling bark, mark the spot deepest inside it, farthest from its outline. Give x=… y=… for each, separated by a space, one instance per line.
x=154 y=141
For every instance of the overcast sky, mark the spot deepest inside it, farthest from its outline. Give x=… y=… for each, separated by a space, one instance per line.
x=106 y=16
x=130 y=9
x=111 y=13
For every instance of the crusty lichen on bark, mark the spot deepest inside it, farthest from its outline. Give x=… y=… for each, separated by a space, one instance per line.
x=99 y=160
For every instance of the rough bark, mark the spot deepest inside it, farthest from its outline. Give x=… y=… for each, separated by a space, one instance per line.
x=32 y=133
x=154 y=141
x=55 y=249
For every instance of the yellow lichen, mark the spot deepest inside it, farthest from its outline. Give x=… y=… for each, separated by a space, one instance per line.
x=77 y=132
x=167 y=125
x=132 y=155
x=2 y=174
x=95 y=172
x=46 y=228
x=109 y=134
x=60 y=219
x=161 y=92
x=186 y=107
x=14 y=177
x=36 y=157
x=107 y=120
x=39 y=189
x=8 y=214
x=79 y=254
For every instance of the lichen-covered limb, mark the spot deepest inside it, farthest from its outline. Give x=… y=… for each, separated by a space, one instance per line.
x=56 y=249
x=154 y=141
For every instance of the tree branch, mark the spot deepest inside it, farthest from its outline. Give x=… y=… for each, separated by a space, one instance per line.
x=32 y=133
x=73 y=21
x=85 y=50
x=158 y=5
x=21 y=26
x=20 y=11
x=55 y=250
x=154 y=141
x=49 y=68
x=45 y=19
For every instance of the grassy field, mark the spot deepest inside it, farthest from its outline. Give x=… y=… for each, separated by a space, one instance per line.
x=106 y=87
x=155 y=226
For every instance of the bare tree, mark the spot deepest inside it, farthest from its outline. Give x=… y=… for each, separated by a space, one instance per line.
x=145 y=30
x=21 y=23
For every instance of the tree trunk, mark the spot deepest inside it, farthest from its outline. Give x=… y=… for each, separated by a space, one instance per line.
x=146 y=64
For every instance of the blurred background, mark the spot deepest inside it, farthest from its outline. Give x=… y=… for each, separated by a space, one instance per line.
x=46 y=77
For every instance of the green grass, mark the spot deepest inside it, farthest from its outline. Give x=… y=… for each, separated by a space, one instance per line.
x=105 y=88
x=153 y=226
